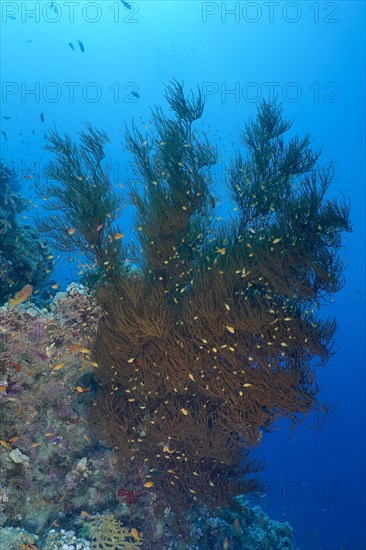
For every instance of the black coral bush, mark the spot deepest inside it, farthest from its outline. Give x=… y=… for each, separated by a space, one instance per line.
x=213 y=337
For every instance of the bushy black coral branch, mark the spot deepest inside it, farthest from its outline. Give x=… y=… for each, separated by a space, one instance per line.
x=214 y=337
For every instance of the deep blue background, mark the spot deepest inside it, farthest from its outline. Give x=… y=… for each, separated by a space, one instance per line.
x=312 y=55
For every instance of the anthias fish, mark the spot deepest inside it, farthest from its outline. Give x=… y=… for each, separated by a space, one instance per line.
x=20 y=297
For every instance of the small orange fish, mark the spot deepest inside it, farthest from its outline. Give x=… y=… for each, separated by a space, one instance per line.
x=20 y=297
x=135 y=534
x=80 y=389
x=87 y=438
x=48 y=434
x=118 y=236
x=5 y=444
x=71 y=231
x=55 y=286
x=148 y=484
x=58 y=366
x=85 y=514
x=226 y=544
x=221 y=251
x=35 y=445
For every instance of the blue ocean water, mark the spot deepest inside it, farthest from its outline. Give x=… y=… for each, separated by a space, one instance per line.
x=67 y=63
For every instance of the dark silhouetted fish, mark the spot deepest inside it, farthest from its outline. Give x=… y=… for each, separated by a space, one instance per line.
x=4 y=134
x=7 y=117
x=126 y=4
x=81 y=45
x=42 y=117
x=72 y=46
x=28 y=41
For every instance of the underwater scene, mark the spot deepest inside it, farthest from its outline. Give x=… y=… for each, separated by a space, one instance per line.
x=182 y=275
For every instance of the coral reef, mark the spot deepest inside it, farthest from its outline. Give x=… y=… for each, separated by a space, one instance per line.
x=216 y=335
x=24 y=257
x=58 y=485
x=48 y=467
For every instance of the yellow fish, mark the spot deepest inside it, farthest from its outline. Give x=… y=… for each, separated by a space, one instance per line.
x=20 y=297
x=148 y=484
x=80 y=389
x=135 y=534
